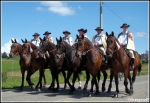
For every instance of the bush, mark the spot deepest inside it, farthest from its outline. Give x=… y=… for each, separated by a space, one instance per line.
x=144 y=61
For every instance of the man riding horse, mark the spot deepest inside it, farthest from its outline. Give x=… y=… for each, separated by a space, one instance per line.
x=67 y=37
x=126 y=40
x=99 y=41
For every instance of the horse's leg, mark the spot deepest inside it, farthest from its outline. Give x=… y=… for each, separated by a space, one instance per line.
x=44 y=79
x=126 y=82
x=87 y=80
x=116 y=83
x=98 y=77
x=41 y=72
x=22 y=72
x=78 y=76
x=131 y=84
x=75 y=74
x=69 y=73
x=64 y=75
x=134 y=74
x=52 y=83
x=92 y=84
x=104 y=81
x=110 y=84
x=28 y=78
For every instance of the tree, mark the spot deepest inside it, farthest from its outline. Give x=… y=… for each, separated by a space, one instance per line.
x=4 y=55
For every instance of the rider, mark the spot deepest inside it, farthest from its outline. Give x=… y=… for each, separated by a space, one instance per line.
x=99 y=40
x=36 y=40
x=126 y=40
x=67 y=38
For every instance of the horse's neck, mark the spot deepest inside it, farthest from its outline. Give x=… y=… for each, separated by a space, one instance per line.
x=89 y=45
x=68 y=51
x=19 y=49
x=33 y=46
x=119 y=54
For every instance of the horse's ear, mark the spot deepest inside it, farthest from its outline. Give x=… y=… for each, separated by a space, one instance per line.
x=12 y=41
x=26 y=40
x=106 y=34
x=82 y=36
x=77 y=36
x=60 y=39
x=23 y=41
x=40 y=39
x=44 y=38
x=56 y=39
x=112 y=33
x=15 y=41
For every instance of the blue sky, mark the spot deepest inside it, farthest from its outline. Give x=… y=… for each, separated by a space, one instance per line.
x=21 y=20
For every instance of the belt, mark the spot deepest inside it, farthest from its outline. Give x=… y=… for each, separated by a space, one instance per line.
x=100 y=45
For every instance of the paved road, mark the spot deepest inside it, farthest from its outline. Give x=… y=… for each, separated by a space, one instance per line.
x=141 y=93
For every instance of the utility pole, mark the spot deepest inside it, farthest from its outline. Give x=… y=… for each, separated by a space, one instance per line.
x=101 y=14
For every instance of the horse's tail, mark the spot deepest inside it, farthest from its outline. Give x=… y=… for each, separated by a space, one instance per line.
x=139 y=68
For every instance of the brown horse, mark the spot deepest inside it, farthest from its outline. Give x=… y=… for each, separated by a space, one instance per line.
x=120 y=62
x=93 y=59
x=24 y=65
x=52 y=60
x=31 y=51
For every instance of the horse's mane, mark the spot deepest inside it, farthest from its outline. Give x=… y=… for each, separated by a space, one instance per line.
x=88 y=41
x=68 y=47
x=52 y=45
x=33 y=46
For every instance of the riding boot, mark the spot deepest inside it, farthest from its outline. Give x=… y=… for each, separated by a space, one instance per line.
x=132 y=63
x=106 y=59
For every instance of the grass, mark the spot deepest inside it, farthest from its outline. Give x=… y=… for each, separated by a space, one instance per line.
x=13 y=79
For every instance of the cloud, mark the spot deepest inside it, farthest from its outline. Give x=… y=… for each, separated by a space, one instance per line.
x=79 y=7
x=58 y=7
x=140 y=34
x=6 y=47
x=39 y=8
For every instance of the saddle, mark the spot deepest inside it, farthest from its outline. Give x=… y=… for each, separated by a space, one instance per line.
x=101 y=52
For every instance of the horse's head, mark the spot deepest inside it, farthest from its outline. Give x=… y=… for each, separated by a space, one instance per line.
x=61 y=47
x=14 y=48
x=111 y=44
x=81 y=45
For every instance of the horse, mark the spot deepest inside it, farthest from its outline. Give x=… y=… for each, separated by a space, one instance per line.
x=52 y=60
x=24 y=65
x=71 y=63
x=120 y=62
x=30 y=51
x=93 y=59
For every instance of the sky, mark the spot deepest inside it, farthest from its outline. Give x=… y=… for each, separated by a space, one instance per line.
x=21 y=20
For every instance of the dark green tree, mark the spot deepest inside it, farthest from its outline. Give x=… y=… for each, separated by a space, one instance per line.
x=4 y=55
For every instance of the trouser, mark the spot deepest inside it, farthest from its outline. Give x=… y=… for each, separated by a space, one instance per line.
x=131 y=53
x=104 y=53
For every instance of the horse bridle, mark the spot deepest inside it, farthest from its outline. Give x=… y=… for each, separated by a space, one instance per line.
x=17 y=48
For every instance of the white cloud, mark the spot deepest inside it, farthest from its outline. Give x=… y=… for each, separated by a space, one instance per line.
x=79 y=7
x=39 y=8
x=6 y=46
x=58 y=7
x=140 y=34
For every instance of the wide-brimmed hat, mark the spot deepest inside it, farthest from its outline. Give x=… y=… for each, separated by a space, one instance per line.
x=125 y=24
x=84 y=30
x=47 y=33
x=66 y=31
x=99 y=28
x=36 y=34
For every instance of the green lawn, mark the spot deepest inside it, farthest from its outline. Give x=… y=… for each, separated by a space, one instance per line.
x=13 y=79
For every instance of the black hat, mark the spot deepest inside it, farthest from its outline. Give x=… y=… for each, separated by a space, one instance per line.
x=47 y=33
x=66 y=31
x=125 y=24
x=36 y=34
x=99 y=28
x=84 y=30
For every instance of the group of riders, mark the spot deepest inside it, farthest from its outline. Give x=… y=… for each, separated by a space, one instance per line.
x=99 y=40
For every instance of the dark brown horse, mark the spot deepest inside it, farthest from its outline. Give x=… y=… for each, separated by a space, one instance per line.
x=93 y=59
x=71 y=63
x=52 y=60
x=24 y=65
x=120 y=62
x=30 y=51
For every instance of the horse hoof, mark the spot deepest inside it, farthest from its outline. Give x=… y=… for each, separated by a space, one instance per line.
x=50 y=88
x=79 y=87
x=39 y=90
x=108 y=91
x=131 y=92
x=84 y=89
x=32 y=87
x=115 y=95
x=97 y=92
x=103 y=89
x=127 y=91
x=89 y=95
x=73 y=88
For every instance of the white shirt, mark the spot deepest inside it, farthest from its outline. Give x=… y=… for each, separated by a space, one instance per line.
x=69 y=40
x=123 y=38
x=98 y=39
x=36 y=42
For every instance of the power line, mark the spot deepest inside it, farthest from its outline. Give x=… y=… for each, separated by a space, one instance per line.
x=118 y=16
